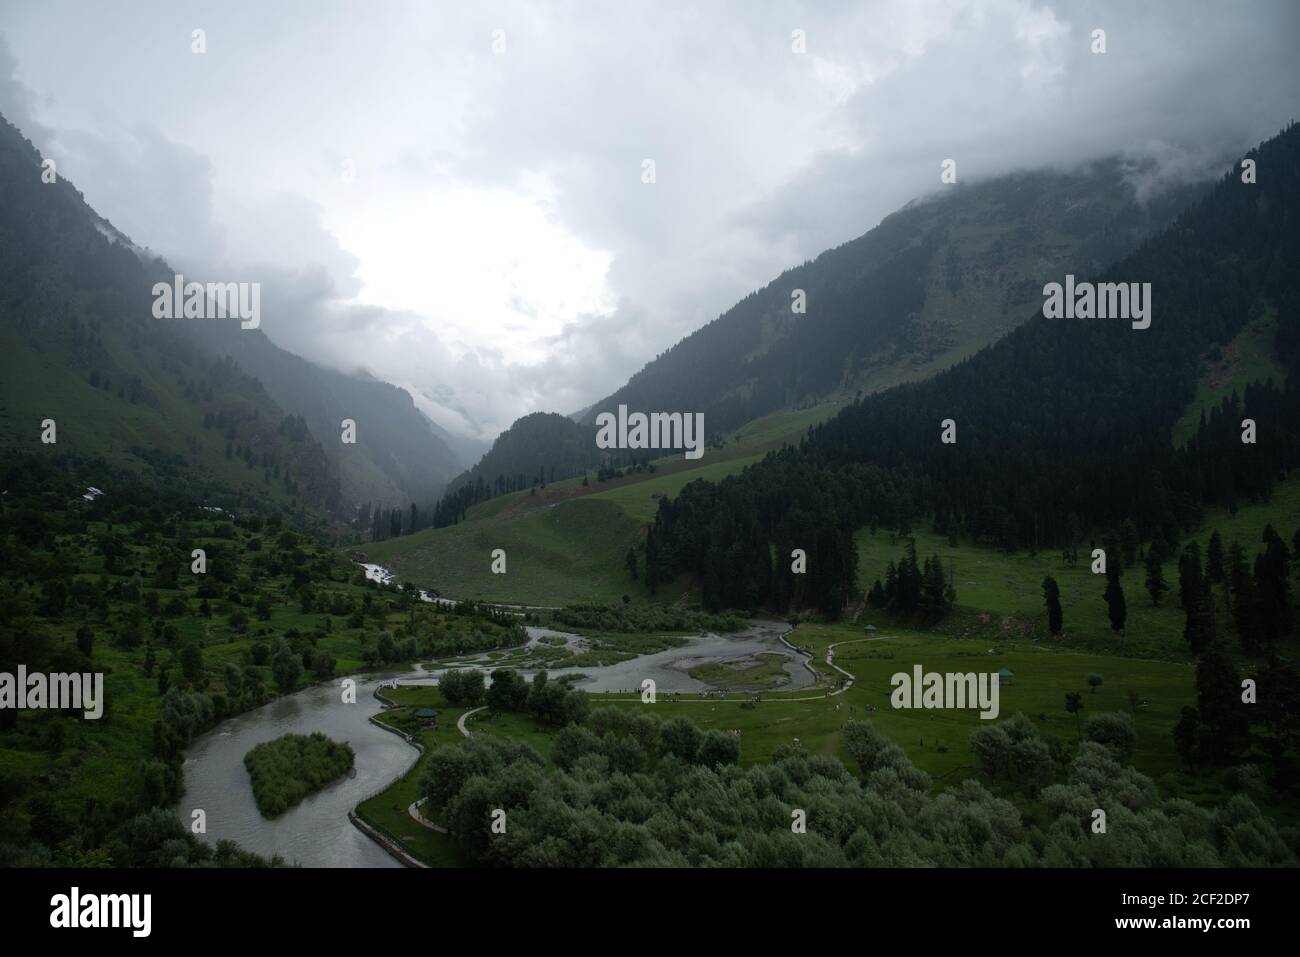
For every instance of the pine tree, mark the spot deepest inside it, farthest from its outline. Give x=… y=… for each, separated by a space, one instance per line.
x=1156 y=585
x=1191 y=581
x=1214 y=570
x=1220 y=709
x=1245 y=604
x=1272 y=583
x=1052 y=599
x=651 y=560
x=932 y=587
x=1198 y=629
x=1116 y=607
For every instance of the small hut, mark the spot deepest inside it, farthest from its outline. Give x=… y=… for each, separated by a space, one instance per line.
x=1005 y=676
x=428 y=717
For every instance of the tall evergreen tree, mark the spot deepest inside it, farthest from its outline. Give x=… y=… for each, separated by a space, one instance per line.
x=1052 y=598
x=1222 y=714
x=1116 y=606
x=1155 y=582
x=1214 y=569
x=1191 y=581
x=1273 y=585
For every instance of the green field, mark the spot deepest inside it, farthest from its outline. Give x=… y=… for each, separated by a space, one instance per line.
x=1001 y=594
x=567 y=543
x=569 y=553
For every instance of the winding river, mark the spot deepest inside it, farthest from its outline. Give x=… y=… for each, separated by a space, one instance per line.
x=317 y=832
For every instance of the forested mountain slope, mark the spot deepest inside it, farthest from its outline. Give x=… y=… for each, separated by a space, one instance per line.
x=930 y=285
x=1062 y=428
x=79 y=346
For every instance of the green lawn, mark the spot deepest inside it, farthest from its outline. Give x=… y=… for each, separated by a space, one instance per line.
x=387 y=810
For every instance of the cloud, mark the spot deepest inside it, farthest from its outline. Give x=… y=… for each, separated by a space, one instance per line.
x=473 y=225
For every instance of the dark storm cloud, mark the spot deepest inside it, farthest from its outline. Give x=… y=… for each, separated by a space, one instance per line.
x=527 y=161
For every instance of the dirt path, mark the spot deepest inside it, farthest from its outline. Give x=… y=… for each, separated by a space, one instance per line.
x=460 y=722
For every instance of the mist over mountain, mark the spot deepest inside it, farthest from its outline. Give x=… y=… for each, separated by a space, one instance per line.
x=933 y=283
x=398 y=457
x=1081 y=411
x=200 y=401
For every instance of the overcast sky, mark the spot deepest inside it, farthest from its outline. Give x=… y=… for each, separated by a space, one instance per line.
x=471 y=223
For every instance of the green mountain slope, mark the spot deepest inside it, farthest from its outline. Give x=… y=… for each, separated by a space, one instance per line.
x=197 y=401
x=927 y=287
x=79 y=346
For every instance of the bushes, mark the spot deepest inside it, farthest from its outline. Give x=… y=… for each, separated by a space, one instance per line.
x=1114 y=729
x=463 y=687
x=551 y=702
x=1013 y=750
x=286 y=770
x=608 y=804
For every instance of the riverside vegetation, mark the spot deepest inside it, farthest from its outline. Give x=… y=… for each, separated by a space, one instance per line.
x=293 y=766
x=105 y=585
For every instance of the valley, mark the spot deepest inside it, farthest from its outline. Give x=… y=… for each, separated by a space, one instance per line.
x=597 y=635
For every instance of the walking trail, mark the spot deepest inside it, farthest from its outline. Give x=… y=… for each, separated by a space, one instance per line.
x=414 y=808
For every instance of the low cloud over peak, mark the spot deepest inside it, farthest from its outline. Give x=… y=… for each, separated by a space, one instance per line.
x=465 y=213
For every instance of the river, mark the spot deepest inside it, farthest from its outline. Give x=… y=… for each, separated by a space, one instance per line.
x=317 y=832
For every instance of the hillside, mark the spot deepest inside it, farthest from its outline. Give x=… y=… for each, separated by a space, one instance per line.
x=203 y=403
x=397 y=459
x=79 y=345
x=928 y=286
x=1063 y=428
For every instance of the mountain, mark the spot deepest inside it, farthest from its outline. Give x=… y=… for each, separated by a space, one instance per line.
x=539 y=447
x=79 y=347
x=397 y=459
x=466 y=449
x=1062 y=432
x=928 y=286
x=198 y=403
